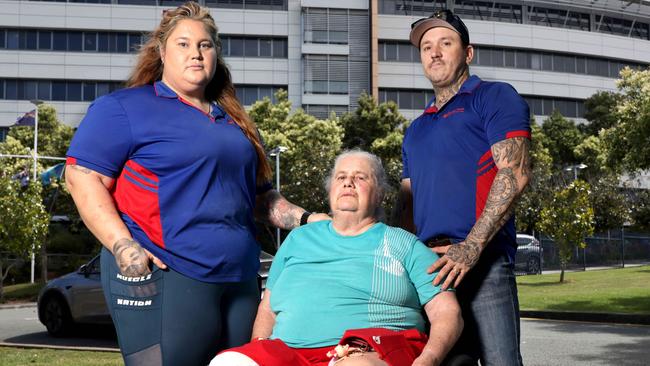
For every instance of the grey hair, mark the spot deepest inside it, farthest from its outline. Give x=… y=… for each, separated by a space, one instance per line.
x=378 y=175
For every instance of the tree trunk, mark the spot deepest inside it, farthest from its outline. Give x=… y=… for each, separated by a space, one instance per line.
x=3 y=275
x=562 y=268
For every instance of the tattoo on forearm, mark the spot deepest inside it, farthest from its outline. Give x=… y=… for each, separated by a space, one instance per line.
x=80 y=169
x=130 y=258
x=467 y=253
x=280 y=212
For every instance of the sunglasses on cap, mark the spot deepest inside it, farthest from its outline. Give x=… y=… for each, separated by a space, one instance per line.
x=449 y=17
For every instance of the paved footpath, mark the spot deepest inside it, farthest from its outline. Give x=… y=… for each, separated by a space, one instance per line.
x=543 y=342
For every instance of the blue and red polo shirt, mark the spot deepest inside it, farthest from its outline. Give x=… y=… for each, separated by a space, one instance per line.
x=185 y=181
x=446 y=154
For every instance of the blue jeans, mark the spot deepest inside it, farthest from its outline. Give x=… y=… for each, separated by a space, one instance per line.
x=488 y=298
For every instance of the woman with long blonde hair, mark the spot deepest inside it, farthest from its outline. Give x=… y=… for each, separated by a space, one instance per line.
x=169 y=174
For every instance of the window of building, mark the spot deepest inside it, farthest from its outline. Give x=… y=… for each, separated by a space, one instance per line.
x=410 y=7
x=44 y=90
x=44 y=40
x=415 y=99
x=326 y=74
x=322 y=111
x=13 y=39
x=58 y=90
x=325 y=25
x=488 y=10
x=59 y=41
x=521 y=59
x=75 y=42
x=249 y=94
x=31 y=40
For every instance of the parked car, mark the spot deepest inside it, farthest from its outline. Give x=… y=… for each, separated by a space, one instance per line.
x=529 y=254
x=77 y=297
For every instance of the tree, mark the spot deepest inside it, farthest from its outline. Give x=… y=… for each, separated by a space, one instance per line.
x=600 y=111
x=640 y=211
x=561 y=136
x=23 y=223
x=538 y=192
x=313 y=144
x=627 y=141
x=53 y=140
x=568 y=219
x=607 y=199
x=379 y=129
x=53 y=136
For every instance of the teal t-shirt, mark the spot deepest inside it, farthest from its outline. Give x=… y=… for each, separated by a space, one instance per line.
x=323 y=283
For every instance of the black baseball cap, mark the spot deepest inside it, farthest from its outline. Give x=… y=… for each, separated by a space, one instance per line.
x=441 y=18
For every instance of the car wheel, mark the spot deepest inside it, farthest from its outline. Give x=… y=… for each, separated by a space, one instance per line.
x=56 y=317
x=533 y=265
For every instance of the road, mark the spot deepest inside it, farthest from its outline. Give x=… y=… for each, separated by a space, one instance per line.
x=544 y=342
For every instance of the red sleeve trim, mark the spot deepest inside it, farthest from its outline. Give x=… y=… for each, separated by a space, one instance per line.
x=518 y=133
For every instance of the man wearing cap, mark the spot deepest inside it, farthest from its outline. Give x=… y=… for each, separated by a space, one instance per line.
x=466 y=160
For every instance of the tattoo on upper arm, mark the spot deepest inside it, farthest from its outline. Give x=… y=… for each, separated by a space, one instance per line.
x=513 y=152
x=80 y=168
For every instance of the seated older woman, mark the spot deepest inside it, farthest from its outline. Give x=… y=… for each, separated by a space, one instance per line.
x=352 y=281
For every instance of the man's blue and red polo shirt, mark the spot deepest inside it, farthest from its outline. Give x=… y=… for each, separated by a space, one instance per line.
x=446 y=154
x=185 y=180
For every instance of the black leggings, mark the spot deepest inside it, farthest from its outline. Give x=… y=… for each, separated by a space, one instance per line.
x=169 y=319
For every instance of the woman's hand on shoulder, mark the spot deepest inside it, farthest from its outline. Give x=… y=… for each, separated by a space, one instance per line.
x=318 y=217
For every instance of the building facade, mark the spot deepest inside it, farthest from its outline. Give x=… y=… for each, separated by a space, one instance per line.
x=325 y=53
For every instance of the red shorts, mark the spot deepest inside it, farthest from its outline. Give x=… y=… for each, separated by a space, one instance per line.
x=397 y=348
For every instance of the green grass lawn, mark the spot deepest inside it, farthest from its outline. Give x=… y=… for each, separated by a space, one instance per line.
x=620 y=290
x=11 y=356
x=25 y=292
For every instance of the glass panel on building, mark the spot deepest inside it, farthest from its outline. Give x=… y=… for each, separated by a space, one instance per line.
x=280 y=48
x=75 y=42
x=44 y=90
x=89 y=91
x=102 y=89
x=60 y=41
x=30 y=90
x=44 y=40
x=31 y=38
x=58 y=90
x=103 y=42
x=236 y=47
x=73 y=91
x=11 y=89
x=250 y=47
x=266 y=47
x=90 y=41
x=13 y=39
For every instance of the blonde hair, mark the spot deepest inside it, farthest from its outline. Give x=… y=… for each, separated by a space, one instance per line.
x=149 y=68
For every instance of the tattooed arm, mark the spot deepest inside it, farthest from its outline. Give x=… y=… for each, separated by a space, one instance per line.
x=90 y=192
x=273 y=209
x=512 y=159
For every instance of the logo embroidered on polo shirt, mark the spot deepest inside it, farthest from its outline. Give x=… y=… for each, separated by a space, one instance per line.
x=452 y=112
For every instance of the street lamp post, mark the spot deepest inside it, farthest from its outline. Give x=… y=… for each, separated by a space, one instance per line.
x=276 y=153
x=35 y=102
